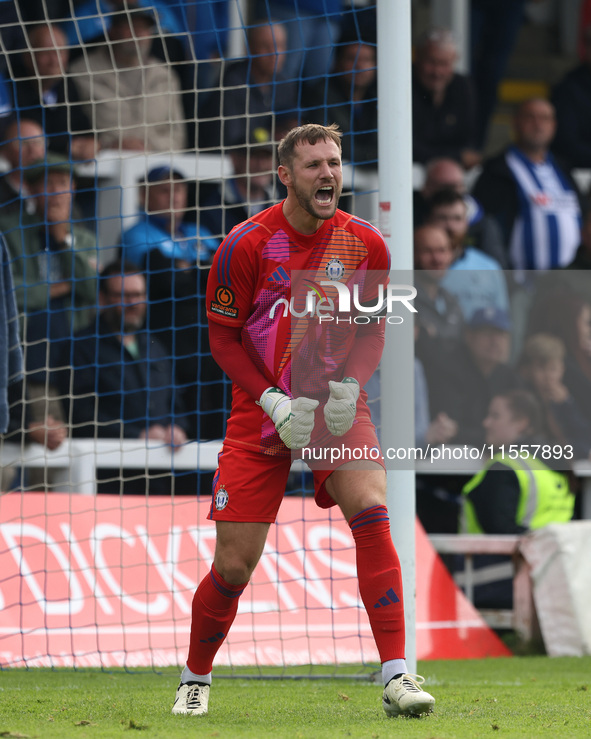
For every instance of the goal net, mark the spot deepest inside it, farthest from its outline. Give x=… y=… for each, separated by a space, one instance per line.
x=134 y=136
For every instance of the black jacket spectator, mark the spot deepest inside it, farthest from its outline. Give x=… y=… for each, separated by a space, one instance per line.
x=59 y=118
x=348 y=97
x=232 y=112
x=572 y=100
x=496 y=190
x=459 y=389
x=114 y=394
x=252 y=90
x=178 y=319
x=445 y=130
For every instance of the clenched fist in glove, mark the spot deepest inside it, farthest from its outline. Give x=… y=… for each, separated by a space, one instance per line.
x=341 y=406
x=293 y=418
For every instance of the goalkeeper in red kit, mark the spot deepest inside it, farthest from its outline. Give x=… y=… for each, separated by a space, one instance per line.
x=298 y=383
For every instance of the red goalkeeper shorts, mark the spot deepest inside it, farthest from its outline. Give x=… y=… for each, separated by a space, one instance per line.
x=249 y=486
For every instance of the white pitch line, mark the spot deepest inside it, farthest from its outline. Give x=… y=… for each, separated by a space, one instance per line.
x=304 y=629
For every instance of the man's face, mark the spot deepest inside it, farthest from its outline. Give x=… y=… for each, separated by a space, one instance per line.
x=489 y=346
x=49 y=53
x=132 y=39
x=546 y=375
x=167 y=197
x=25 y=144
x=257 y=164
x=444 y=176
x=53 y=196
x=535 y=125
x=433 y=250
x=435 y=67
x=316 y=177
x=268 y=45
x=501 y=425
x=357 y=64
x=124 y=301
x=452 y=218
x=583 y=325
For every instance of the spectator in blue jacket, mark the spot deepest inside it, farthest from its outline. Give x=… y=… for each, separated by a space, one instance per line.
x=475 y=278
x=163 y=225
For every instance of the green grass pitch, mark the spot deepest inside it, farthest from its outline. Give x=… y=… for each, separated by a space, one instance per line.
x=526 y=697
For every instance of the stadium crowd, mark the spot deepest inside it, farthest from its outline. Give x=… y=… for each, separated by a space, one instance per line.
x=501 y=270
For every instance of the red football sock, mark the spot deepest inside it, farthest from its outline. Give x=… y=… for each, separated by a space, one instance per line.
x=215 y=605
x=380 y=580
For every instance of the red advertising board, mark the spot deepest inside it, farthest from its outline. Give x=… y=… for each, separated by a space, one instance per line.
x=108 y=581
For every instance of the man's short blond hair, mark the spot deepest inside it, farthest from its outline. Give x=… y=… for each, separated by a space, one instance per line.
x=310 y=133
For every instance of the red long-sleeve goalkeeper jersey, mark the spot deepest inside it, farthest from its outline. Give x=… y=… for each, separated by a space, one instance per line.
x=266 y=279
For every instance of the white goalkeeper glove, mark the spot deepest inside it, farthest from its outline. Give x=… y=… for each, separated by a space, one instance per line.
x=293 y=418
x=341 y=406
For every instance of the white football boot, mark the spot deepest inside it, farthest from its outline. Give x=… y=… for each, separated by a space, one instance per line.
x=191 y=698
x=405 y=697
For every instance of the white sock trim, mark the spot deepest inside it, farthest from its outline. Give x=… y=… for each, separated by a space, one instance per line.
x=393 y=667
x=190 y=677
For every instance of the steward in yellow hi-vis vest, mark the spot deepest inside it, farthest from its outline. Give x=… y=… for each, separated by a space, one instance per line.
x=543 y=496
x=510 y=497
x=513 y=496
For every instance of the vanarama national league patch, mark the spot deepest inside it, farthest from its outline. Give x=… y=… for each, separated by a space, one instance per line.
x=223 y=302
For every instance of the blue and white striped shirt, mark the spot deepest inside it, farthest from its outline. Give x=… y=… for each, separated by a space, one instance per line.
x=547 y=231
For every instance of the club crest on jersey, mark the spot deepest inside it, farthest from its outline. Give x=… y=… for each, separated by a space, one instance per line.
x=221 y=498
x=335 y=269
